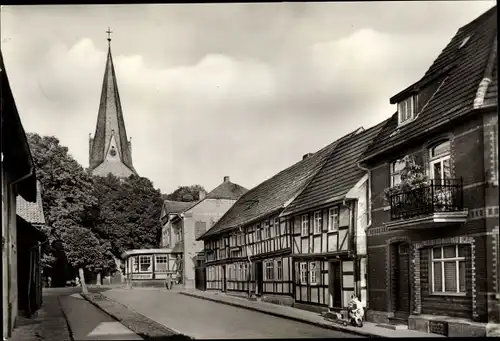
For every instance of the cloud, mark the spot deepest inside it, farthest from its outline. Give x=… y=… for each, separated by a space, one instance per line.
x=242 y=90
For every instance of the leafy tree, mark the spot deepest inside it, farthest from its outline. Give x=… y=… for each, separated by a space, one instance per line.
x=67 y=189
x=105 y=262
x=82 y=250
x=127 y=212
x=185 y=193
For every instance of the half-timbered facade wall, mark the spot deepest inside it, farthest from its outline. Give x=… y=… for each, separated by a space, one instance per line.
x=322 y=248
x=266 y=243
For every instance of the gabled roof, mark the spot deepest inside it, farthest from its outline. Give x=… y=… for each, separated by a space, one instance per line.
x=16 y=154
x=110 y=121
x=274 y=194
x=460 y=68
x=227 y=190
x=338 y=175
x=177 y=206
x=31 y=212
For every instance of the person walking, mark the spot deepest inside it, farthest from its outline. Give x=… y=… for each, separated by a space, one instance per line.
x=168 y=282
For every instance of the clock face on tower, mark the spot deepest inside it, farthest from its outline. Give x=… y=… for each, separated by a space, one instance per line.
x=112 y=151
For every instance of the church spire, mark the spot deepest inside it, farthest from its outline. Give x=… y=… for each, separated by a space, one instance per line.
x=110 y=150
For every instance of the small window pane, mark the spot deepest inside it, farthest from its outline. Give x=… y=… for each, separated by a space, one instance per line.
x=436 y=253
x=461 y=251
x=437 y=170
x=461 y=273
x=450 y=251
x=438 y=282
x=441 y=148
x=450 y=276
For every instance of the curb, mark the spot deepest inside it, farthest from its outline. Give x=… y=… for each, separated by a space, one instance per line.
x=145 y=335
x=70 y=331
x=317 y=324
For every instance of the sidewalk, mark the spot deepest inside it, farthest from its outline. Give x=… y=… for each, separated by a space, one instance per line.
x=369 y=329
x=48 y=324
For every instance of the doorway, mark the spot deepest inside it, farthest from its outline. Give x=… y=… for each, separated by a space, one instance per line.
x=223 y=284
x=335 y=285
x=401 y=279
x=259 y=280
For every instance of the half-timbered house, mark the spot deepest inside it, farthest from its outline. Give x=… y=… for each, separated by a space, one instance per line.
x=433 y=243
x=248 y=251
x=329 y=219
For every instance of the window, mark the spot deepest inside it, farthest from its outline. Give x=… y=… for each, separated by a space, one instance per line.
x=313 y=273
x=279 y=272
x=333 y=219
x=448 y=269
x=161 y=263
x=283 y=228
x=271 y=229
x=318 y=220
x=303 y=273
x=268 y=226
x=144 y=263
x=258 y=236
x=269 y=273
x=406 y=109
x=396 y=168
x=305 y=225
x=135 y=264
x=440 y=161
x=277 y=226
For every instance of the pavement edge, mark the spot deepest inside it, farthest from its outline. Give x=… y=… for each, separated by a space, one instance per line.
x=70 y=331
x=318 y=324
x=142 y=333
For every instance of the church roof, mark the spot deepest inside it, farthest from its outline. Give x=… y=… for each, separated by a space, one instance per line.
x=110 y=121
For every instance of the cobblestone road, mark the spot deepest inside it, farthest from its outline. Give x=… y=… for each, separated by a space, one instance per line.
x=205 y=319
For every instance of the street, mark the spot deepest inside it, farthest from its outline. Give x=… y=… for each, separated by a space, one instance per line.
x=204 y=319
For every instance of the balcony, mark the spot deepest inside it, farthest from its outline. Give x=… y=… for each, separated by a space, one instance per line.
x=441 y=201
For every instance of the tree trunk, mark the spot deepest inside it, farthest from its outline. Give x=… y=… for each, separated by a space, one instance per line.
x=82 y=281
x=98 y=280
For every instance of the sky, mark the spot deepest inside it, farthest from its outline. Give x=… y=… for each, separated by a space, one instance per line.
x=209 y=90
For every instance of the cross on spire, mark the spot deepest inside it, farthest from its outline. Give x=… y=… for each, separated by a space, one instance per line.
x=109 y=34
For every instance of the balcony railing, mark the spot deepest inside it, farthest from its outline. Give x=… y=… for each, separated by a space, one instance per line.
x=439 y=196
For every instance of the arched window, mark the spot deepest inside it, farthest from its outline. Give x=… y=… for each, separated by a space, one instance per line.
x=440 y=160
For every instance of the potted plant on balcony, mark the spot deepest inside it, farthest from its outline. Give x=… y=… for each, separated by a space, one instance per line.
x=412 y=177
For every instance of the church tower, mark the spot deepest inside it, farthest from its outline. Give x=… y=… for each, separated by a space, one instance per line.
x=109 y=150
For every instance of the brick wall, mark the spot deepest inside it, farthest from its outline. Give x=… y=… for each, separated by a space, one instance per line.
x=467 y=161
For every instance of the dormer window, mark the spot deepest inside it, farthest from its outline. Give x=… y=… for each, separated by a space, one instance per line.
x=406 y=110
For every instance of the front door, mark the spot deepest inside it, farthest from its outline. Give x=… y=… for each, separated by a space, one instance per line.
x=335 y=285
x=402 y=279
x=259 y=278
x=223 y=284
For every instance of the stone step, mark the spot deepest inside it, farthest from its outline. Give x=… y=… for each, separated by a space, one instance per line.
x=393 y=326
x=398 y=320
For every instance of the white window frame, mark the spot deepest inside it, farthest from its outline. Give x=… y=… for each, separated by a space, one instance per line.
x=333 y=219
x=161 y=257
x=303 y=272
x=313 y=278
x=258 y=234
x=267 y=230
x=279 y=270
x=150 y=268
x=272 y=233
x=406 y=110
x=440 y=158
x=318 y=222
x=269 y=271
x=457 y=259
x=395 y=172
x=277 y=227
x=135 y=264
x=304 y=225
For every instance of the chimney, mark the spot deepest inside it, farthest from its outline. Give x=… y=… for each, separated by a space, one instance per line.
x=201 y=195
x=226 y=178
x=306 y=156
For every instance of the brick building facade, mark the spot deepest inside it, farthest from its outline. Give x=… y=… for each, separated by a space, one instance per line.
x=432 y=245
